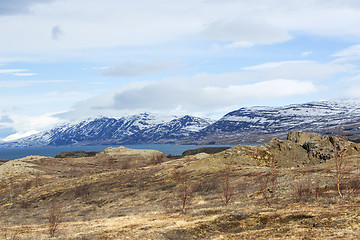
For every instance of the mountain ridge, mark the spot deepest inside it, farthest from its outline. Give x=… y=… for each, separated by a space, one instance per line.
x=245 y=125
x=142 y=128
x=262 y=123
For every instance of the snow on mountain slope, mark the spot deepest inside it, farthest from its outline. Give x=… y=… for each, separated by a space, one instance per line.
x=315 y=116
x=243 y=125
x=142 y=128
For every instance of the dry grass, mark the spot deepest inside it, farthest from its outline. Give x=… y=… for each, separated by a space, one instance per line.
x=100 y=199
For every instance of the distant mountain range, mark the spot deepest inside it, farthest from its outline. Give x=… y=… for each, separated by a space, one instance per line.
x=135 y=129
x=258 y=124
x=246 y=125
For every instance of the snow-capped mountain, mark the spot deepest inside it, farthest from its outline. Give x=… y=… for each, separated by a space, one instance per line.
x=328 y=117
x=142 y=128
x=246 y=125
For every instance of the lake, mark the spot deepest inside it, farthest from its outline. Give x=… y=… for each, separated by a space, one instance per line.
x=173 y=149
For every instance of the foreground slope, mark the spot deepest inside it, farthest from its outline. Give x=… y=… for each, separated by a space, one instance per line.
x=241 y=193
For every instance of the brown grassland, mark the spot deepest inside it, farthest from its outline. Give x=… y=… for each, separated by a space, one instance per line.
x=144 y=195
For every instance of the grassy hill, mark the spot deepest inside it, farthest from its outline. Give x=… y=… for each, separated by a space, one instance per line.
x=240 y=193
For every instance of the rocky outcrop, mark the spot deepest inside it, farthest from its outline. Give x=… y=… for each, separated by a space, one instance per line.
x=322 y=147
x=299 y=149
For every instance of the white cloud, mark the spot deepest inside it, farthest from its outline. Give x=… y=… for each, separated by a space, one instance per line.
x=117 y=23
x=242 y=44
x=176 y=96
x=350 y=51
x=244 y=31
x=31 y=124
x=5 y=119
x=12 y=71
x=15 y=84
x=24 y=74
x=120 y=25
x=307 y=70
x=273 y=65
x=18 y=6
x=205 y=93
x=132 y=69
x=307 y=53
x=19 y=135
x=17 y=72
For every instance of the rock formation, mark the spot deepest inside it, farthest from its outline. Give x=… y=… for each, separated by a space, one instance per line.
x=299 y=149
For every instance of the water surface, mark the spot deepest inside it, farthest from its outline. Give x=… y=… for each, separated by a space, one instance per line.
x=173 y=149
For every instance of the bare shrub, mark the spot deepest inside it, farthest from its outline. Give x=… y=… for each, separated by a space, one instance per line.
x=54 y=214
x=346 y=181
x=228 y=189
x=12 y=190
x=189 y=159
x=27 y=185
x=125 y=165
x=268 y=183
x=187 y=194
x=186 y=187
x=110 y=161
x=74 y=172
x=207 y=185
x=339 y=165
x=318 y=190
x=82 y=191
x=302 y=190
x=38 y=180
x=7 y=234
x=157 y=159
x=25 y=204
x=171 y=157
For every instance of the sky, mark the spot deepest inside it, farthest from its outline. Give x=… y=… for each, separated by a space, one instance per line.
x=67 y=60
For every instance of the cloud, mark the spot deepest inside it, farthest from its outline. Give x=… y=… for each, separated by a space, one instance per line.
x=15 y=84
x=12 y=71
x=200 y=94
x=243 y=32
x=5 y=119
x=242 y=44
x=10 y=135
x=350 y=51
x=4 y=132
x=6 y=126
x=298 y=70
x=24 y=74
x=56 y=33
x=205 y=94
x=307 y=53
x=18 y=6
x=17 y=72
x=27 y=125
x=132 y=69
x=118 y=24
x=166 y=97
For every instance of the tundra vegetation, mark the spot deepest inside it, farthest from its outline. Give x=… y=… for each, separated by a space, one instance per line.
x=305 y=187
